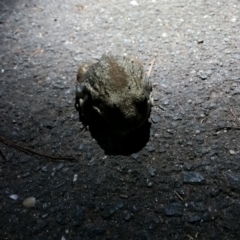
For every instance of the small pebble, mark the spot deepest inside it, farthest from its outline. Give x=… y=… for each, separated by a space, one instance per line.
x=151 y=171
x=155 y=119
x=29 y=202
x=193 y=177
x=166 y=102
x=135 y=156
x=150 y=148
x=13 y=196
x=127 y=216
x=149 y=183
x=194 y=218
x=232 y=152
x=134 y=3
x=188 y=166
x=202 y=75
x=75 y=176
x=234 y=181
x=78 y=57
x=123 y=196
x=174 y=210
x=134 y=209
x=60 y=166
x=44 y=169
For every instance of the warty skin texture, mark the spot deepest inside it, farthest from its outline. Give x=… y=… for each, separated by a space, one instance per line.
x=117 y=89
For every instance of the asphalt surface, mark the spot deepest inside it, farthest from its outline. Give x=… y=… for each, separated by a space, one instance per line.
x=181 y=182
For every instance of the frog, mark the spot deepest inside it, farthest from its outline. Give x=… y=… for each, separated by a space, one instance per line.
x=116 y=89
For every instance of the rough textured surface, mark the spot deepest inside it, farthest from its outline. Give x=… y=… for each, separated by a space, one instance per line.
x=116 y=88
x=194 y=123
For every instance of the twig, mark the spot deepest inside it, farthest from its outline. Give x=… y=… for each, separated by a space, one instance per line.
x=227 y=128
x=150 y=69
x=190 y=237
x=202 y=120
x=235 y=117
x=30 y=151
x=162 y=108
x=36 y=52
x=178 y=196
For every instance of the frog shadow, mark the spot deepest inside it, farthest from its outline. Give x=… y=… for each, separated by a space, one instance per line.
x=114 y=142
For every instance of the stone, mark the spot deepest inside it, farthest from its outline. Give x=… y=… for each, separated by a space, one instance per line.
x=166 y=102
x=155 y=119
x=232 y=152
x=44 y=169
x=202 y=75
x=24 y=159
x=13 y=196
x=135 y=156
x=75 y=177
x=134 y=209
x=124 y=196
x=193 y=177
x=29 y=202
x=89 y=153
x=127 y=216
x=59 y=166
x=151 y=171
x=234 y=181
x=174 y=210
x=188 y=166
x=194 y=218
x=177 y=117
x=134 y=3
x=150 y=148
x=78 y=57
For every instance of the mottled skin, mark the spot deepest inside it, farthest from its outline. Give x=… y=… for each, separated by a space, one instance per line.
x=116 y=88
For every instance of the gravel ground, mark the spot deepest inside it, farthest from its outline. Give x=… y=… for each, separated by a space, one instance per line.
x=184 y=183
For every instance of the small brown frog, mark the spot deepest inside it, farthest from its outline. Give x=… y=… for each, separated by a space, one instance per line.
x=116 y=88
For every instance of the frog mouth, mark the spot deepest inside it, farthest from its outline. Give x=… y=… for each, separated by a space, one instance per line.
x=119 y=120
